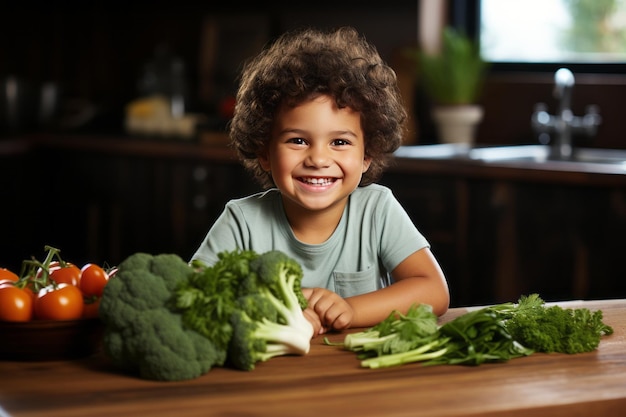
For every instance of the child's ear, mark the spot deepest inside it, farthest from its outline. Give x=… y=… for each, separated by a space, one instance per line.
x=264 y=161
x=366 y=163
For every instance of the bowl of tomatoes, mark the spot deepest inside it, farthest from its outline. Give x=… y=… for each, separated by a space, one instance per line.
x=50 y=310
x=43 y=340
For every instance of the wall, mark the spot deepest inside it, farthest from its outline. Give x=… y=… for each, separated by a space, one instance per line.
x=509 y=99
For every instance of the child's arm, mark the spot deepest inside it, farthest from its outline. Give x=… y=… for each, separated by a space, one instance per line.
x=418 y=279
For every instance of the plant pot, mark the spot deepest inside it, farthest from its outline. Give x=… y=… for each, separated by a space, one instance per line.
x=457 y=124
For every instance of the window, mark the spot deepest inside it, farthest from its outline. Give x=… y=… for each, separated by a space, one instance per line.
x=586 y=35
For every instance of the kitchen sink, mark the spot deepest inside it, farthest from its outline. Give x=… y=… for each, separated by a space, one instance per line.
x=541 y=153
x=536 y=153
x=438 y=151
x=513 y=154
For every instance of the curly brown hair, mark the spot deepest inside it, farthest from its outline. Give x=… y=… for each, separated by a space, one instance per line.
x=303 y=64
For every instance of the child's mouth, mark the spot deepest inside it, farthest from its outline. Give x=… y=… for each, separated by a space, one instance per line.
x=316 y=181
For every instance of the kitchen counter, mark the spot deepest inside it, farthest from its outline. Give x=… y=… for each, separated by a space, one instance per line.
x=329 y=381
x=409 y=159
x=446 y=160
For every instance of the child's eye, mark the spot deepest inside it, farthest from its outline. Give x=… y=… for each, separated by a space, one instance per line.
x=340 y=142
x=297 y=141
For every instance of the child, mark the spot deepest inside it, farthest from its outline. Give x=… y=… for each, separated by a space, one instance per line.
x=317 y=119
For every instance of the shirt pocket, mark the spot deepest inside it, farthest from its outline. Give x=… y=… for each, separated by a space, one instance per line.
x=348 y=284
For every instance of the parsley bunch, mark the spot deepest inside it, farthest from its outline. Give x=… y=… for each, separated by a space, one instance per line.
x=556 y=329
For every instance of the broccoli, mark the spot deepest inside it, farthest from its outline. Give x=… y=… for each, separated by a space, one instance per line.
x=168 y=320
x=142 y=333
x=268 y=321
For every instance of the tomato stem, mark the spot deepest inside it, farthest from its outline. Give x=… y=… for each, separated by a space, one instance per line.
x=37 y=274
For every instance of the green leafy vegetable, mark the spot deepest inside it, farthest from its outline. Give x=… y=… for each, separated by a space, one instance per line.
x=269 y=321
x=470 y=339
x=397 y=333
x=556 y=329
x=208 y=298
x=491 y=334
x=167 y=320
x=143 y=334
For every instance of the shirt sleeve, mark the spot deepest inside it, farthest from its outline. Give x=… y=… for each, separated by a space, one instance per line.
x=399 y=237
x=229 y=232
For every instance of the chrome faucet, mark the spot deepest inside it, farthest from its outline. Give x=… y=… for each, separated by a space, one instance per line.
x=558 y=129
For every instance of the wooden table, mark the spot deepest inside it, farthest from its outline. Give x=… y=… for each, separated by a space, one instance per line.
x=329 y=382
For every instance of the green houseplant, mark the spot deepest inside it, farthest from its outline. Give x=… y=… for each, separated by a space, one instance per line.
x=454 y=75
x=453 y=78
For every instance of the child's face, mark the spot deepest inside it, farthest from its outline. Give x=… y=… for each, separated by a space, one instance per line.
x=316 y=154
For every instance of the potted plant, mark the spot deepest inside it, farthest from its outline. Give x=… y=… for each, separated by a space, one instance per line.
x=453 y=78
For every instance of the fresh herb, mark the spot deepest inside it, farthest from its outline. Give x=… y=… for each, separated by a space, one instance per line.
x=397 y=333
x=490 y=334
x=556 y=329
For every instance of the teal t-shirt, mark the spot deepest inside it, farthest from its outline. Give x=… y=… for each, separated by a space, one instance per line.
x=375 y=234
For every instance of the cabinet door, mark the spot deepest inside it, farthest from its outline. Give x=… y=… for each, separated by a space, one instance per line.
x=101 y=208
x=439 y=208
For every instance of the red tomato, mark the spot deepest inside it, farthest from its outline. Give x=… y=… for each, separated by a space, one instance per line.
x=69 y=274
x=90 y=309
x=65 y=302
x=28 y=290
x=92 y=280
x=53 y=266
x=15 y=304
x=6 y=274
x=7 y=283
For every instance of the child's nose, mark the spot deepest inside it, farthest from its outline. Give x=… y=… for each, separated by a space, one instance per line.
x=318 y=157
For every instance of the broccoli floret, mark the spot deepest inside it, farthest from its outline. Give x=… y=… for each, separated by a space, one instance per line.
x=142 y=333
x=282 y=275
x=258 y=306
x=269 y=321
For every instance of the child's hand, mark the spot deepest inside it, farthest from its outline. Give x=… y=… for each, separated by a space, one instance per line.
x=315 y=321
x=333 y=311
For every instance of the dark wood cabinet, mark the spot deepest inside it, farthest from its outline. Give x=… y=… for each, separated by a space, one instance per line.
x=100 y=205
x=497 y=239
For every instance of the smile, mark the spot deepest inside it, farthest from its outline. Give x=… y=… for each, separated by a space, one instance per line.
x=317 y=181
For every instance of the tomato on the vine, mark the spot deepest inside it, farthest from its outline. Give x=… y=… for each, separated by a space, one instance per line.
x=26 y=288
x=63 y=302
x=93 y=279
x=8 y=274
x=6 y=283
x=90 y=309
x=16 y=304
x=68 y=274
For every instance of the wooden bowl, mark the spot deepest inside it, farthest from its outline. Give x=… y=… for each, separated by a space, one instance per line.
x=42 y=340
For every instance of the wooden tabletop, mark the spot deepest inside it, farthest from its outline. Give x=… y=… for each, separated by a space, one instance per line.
x=328 y=382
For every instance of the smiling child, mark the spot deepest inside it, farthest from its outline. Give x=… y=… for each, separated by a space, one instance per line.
x=317 y=119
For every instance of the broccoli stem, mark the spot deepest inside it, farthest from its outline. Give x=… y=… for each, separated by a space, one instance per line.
x=281 y=340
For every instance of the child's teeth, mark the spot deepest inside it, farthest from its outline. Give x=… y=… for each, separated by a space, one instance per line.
x=318 y=181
